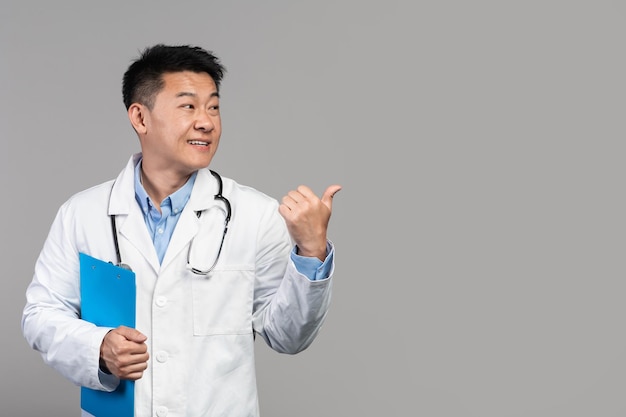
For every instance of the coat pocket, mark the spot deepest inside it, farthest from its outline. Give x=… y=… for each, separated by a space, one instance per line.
x=222 y=302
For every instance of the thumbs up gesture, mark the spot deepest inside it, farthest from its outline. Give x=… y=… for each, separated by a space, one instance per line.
x=307 y=219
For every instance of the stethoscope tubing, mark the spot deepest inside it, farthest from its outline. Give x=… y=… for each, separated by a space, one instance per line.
x=196 y=271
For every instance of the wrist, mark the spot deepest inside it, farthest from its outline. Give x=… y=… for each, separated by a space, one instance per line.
x=319 y=253
x=103 y=367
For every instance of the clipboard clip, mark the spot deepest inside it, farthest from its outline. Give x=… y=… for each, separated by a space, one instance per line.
x=122 y=265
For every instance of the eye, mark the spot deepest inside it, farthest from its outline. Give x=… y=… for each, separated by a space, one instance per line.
x=188 y=106
x=214 y=109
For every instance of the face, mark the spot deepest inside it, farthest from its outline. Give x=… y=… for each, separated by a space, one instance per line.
x=180 y=134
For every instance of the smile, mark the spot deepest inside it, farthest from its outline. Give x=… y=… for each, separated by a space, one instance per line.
x=198 y=142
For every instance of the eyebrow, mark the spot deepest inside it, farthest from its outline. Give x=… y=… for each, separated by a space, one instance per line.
x=188 y=94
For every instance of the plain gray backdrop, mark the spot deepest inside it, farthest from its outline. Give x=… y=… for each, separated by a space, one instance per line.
x=480 y=233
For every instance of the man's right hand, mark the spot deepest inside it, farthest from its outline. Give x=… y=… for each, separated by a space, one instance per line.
x=125 y=353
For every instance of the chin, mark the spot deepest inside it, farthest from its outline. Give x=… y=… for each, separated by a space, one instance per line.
x=201 y=164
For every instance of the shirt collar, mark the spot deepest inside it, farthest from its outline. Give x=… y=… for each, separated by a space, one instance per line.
x=178 y=199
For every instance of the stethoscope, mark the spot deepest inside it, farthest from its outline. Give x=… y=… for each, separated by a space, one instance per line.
x=196 y=271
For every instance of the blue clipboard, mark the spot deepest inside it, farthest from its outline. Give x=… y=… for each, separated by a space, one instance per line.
x=107 y=299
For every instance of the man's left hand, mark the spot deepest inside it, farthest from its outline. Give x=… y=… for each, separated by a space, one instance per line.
x=307 y=218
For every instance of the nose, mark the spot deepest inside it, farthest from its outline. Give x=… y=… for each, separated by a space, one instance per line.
x=204 y=122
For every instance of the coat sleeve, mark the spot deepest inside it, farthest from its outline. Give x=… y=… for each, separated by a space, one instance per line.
x=289 y=308
x=51 y=320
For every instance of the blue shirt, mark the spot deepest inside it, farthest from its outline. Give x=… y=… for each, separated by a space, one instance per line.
x=161 y=226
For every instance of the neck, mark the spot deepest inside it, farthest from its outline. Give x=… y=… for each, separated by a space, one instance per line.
x=159 y=185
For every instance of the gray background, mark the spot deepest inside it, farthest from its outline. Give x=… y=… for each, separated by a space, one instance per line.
x=480 y=234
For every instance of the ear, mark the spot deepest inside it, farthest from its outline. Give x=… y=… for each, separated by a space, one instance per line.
x=136 y=115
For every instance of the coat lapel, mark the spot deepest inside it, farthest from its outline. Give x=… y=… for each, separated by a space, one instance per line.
x=130 y=223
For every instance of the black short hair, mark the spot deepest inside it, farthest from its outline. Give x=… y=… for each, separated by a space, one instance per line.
x=144 y=77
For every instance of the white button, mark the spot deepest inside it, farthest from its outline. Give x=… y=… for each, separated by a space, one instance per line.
x=161 y=301
x=160 y=230
x=176 y=211
x=161 y=411
x=162 y=356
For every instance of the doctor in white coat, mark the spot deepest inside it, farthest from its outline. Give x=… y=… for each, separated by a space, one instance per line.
x=216 y=262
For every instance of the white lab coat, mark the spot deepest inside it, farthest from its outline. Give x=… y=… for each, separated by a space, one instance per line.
x=199 y=329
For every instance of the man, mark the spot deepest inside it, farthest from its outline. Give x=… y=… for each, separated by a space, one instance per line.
x=216 y=262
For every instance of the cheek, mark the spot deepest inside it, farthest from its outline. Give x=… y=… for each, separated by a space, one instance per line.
x=159 y=125
x=176 y=129
x=217 y=122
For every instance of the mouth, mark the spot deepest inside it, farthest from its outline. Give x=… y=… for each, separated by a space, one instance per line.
x=198 y=142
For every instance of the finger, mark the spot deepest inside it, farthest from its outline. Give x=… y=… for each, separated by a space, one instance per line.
x=134 y=371
x=134 y=376
x=132 y=358
x=305 y=191
x=284 y=211
x=330 y=192
x=131 y=334
x=300 y=194
x=288 y=203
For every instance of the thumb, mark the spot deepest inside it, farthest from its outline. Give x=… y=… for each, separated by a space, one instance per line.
x=133 y=335
x=330 y=192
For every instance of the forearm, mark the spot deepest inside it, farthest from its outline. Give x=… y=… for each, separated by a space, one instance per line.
x=69 y=345
x=293 y=318
x=289 y=306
